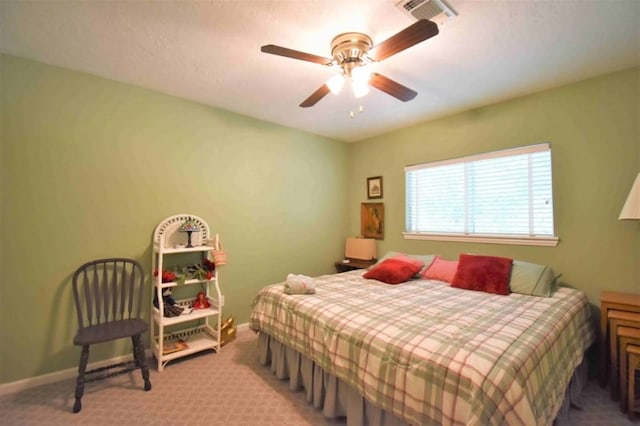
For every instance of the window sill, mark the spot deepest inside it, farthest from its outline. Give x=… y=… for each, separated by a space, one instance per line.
x=491 y=239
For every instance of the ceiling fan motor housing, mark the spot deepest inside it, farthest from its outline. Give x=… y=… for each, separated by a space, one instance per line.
x=349 y=49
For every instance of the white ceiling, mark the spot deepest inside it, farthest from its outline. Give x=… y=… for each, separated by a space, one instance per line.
x=209 y=51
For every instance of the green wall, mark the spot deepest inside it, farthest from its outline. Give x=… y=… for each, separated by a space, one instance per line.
x=594 y=130
x=90 y=166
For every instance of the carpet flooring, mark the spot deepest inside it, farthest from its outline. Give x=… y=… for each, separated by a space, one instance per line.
x=230 y=388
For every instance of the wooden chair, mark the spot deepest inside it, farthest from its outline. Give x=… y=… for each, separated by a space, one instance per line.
x=618 y=319
x=626 y=336
x=108 y=298
x=633 y=401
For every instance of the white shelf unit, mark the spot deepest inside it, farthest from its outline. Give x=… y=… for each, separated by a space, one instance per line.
x=168 y=241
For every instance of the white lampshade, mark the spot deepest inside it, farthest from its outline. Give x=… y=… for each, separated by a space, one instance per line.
x=360 y=248
x=360 y=89
x=335 y=83
x=631 y=209
x=361 y=74
x=360 y=80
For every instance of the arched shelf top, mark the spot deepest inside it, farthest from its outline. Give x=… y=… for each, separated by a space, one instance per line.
x=168 y=234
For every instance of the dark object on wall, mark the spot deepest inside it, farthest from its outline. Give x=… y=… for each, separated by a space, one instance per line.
x=372 y=220
x=374 y=187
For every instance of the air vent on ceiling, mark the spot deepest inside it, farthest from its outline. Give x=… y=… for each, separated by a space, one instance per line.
x=437 y=11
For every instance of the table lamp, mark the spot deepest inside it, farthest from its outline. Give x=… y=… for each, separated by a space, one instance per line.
x=189 y=226
x=631 y=208
x=360 y=248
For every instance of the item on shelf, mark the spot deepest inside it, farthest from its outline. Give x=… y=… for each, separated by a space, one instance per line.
x=167 y=276
x=174 y=346
x=171 y=311
x=203 y=271
x=219 y=255
x=208 y=265
x=189 y=226
x=170 y=308
x=179 y=275
x=228 y=331
x=201 y=301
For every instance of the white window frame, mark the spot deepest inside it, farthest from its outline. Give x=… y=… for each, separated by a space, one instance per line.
x=519 y=239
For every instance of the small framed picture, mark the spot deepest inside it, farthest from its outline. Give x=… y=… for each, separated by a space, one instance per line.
x=372 y=220
x=374 y=187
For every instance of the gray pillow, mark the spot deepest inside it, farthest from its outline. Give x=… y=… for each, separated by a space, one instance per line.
x=532 y=279
x=426 y=258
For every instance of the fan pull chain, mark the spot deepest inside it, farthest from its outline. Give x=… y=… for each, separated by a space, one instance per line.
x=360 y=110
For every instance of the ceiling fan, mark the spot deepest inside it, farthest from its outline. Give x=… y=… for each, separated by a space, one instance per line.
x=352 y=52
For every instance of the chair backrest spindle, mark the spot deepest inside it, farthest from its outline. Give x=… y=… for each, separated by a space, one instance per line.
x=105 y=291
x=117 y=292
x=126 y=294
x=88 y=298
x=95 y=296
x=139 y=296
x=101 y=277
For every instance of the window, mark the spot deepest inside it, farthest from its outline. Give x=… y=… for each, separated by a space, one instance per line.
x=500 y=197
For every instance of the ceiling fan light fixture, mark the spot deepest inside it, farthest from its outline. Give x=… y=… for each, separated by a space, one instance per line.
x=335 y=83
x=360 y=75
x=360 y=88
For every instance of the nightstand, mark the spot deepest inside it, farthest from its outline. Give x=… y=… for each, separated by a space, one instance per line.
x=353 y=264
x=612 y=300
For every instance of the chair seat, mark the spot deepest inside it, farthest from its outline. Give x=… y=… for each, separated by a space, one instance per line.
x=109 y=331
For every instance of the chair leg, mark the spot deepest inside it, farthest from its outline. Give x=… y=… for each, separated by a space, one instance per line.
x=141 y=362
x=136 y=354
x=82 y=367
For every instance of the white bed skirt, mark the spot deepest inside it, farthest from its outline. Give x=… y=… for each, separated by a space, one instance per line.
x=338 y=399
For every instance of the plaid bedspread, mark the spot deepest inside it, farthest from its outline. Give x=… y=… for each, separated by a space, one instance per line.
x=432 y=354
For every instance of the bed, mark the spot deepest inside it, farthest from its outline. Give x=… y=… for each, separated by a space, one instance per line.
x=422 y=352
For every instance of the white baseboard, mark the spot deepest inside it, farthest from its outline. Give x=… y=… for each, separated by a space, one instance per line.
x=69 y=373
x=57 y=376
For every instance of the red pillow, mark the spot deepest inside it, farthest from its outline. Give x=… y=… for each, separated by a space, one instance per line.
x=405 y=258
x=441 y=270
x=392 y=271
x=483 y=273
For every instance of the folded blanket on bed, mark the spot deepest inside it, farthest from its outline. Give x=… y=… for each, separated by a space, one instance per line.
x=299 y=284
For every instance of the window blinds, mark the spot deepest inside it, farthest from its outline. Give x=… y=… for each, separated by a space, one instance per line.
x=500 y=193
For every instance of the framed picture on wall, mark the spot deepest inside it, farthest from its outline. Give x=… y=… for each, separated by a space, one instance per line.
x=372 y=220
x=374 y=187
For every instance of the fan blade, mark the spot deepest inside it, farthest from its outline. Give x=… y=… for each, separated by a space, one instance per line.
x=315 y=97
x=413 y=34
x=295 y=54
x=391 y=87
